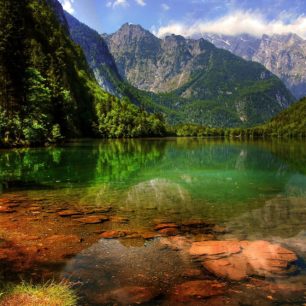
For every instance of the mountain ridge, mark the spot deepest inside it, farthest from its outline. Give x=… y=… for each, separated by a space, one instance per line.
x=190 y=71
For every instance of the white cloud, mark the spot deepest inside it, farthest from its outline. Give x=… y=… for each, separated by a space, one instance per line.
x=68 y=5
x=141 y=2
x=237 y=23
x=165 y=7
x=115 y=3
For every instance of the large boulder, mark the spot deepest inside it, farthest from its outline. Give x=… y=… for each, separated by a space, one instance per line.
x=237 y=260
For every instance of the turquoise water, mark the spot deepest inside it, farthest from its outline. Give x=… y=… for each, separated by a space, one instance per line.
x=213 y=179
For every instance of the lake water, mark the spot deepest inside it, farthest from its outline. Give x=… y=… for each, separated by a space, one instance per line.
x=241 y=191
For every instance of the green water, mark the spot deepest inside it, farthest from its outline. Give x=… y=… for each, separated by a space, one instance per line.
x=216 y=179
x=256 y=189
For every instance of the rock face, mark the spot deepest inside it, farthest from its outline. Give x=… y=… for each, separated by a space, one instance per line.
x=284 y=55
x=237 y=260
x=192 y=70
x=97 y=54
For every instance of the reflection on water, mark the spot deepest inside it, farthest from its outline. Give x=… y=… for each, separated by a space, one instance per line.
x=257 y=190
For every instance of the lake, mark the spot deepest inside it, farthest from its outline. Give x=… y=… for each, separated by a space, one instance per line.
x=158 y=221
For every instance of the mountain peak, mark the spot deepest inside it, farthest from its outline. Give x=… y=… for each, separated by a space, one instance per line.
x=132 y=28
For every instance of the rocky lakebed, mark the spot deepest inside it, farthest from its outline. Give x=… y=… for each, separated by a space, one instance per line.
x=108 y=262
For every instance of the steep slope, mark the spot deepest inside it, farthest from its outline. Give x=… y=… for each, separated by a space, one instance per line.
x=97 y=54
x=51 y=71
x=47 y=89
x=201 y=83
x=284 y=55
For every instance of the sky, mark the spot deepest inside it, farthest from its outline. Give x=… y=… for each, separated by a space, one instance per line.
x=193 y=17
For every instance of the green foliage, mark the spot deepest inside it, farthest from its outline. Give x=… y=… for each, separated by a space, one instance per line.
x=289 y=123
x=47 y=89
x=121 y=119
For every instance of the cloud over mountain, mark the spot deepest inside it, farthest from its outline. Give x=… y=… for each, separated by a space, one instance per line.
x=238 y=22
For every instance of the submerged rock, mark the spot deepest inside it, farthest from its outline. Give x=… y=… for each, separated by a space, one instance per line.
x=93 y=219
x=165 y=226
x=129 y=234
x=208 y=248
x=192 y=273
x=197 y=289
x=4 y=209
x=113 y=234
x=69 y=213
x=131 y=295
x=63 y=239
x=237 y=260
x=119 y=219
x=149 y=235
x=169 y=232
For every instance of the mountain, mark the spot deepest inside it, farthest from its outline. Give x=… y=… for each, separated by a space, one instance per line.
x=201 y=83
x=47 y=89
x=284 y=55
x=104 y=67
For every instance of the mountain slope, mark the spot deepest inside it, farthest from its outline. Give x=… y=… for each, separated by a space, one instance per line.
x=47 y=89
x=97 y=54
x=284 y=55
x=291 y=121
x=203 y=84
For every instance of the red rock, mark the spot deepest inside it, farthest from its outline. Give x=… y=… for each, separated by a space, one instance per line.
x=113 y=234
x=4 y=201
x=69 y=213
x=198 y=289
x=165 y=225
x=195 y=223
x=203 y=237
x=192 y=273
x=62 y=239
x=233 y=267
x=132 y=295
x=13 y=205
x=168 y=231
x=208 y=248
x=219 y=229
x=265 y=258
x=237 y=260
x=284 y=288
x=102 y=209
x=149 y=235
x=118 y=219
x=4 y=209
x=93 y=219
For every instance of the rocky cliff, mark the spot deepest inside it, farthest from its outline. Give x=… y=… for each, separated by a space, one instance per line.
x=284 y=55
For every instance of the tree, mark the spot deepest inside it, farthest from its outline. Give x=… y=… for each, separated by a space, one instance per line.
x=12 y=54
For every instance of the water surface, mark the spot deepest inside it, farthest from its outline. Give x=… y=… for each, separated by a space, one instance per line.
x=256 y=190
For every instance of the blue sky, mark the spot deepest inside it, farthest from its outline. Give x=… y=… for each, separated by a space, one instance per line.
x=191 y=17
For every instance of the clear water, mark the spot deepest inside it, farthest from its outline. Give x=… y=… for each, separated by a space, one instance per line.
x=257 y=190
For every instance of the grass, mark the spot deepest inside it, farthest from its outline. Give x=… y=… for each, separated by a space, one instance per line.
x=49 y=294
